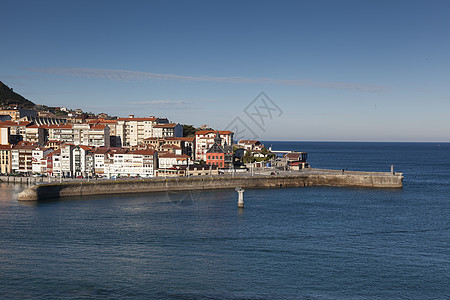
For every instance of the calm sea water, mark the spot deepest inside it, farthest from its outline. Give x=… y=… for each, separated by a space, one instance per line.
x=307 y=243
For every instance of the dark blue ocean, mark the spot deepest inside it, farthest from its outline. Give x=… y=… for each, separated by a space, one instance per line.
x=297 y=243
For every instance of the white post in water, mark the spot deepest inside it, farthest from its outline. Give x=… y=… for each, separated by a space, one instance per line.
x=392 y=169
x=241 y=197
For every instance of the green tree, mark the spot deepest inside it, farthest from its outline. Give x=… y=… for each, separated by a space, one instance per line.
x=188 y=130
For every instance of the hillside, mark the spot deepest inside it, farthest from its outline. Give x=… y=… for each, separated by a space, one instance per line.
x=9 y=97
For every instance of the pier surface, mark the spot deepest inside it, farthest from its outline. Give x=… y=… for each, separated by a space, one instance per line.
x=310 y=177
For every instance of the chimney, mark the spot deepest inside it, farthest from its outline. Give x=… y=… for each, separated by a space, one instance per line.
x=131 y=116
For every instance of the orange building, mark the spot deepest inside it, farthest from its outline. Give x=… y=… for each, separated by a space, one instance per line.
x=218 y=155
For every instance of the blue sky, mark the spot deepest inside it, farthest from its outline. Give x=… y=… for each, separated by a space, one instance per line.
x=337 y=70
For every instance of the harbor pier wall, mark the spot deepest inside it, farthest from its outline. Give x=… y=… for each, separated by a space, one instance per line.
x=362 y=179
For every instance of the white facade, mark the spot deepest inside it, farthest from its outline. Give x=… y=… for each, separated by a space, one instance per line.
x=37 y=155
x=168 y=130
x=134 y=163
x=56 y=162
x=169 y=160
x=81 y=134
x=82 y=161
x=4 y=135
x=66 y=160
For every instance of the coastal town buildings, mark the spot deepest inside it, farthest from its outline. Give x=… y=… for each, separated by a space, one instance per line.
x=4 y=135
x=83 y=145
x=250 y=145
x=138 y=163
x=296 y=160
x=82 y=161
x=204 y=140
x=177 y=145
x=132 y=131
x=16 y=130
x=22 y=157
x=35 y=134
x=168 y=130
x=18 y=113
x=66 y=160
x=5 y=159
x=101 y=159
x=37 y=155
x=56 y=163
x=170 y=160
x=218 y=155
x=80 y=134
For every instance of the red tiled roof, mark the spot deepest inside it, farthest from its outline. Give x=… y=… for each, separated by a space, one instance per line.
x=143 y=152
x=187 y=139
x=223 y=132
x=248 y=142
x=137 y=119
x=168 y=125
x=101 y=150
x=85 y=148
x=98 y=126
x=5 y=147
x=296 y=163
x=13 y=123
x=50 y=126
x=26 y=145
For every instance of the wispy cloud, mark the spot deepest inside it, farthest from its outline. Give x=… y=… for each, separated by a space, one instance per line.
x=165 y=103
x=136 y=75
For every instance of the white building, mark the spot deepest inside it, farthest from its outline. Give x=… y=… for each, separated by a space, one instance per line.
x=204 y=139
x=250 y=145
x=142 y=163
x=132 y=131
x=168 y=130
x=37 y=155
x=81 y=134
x=101 y=158
x=170 y=160
x=66 y=160
x=82 y=161
x=56 y=163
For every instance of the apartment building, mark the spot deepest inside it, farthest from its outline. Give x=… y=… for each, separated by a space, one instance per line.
x=5 y=159
x=66 y=160
x=132 y=131
x=83 y=161
x=35 y=134
x=56 y=164
x=142 y=163
x=22 y=157
x=168 y=130
x=170 y=160
x=16 y=130
x=81 y=134
x=37 y=155
x=4 y=135
x=172 y=144
x=101 y=159
x=17 y=114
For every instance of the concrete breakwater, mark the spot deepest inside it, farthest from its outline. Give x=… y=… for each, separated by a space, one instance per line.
x=300 y=179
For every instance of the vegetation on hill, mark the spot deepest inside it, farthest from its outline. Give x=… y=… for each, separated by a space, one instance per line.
x=9 y=97
x=189 y=130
